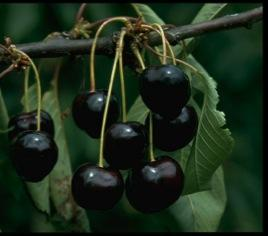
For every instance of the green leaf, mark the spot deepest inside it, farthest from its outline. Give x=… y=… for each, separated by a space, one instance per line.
x=39 y=193
x=207 y=12
x=147 y=14
x=3 y=124
x=3 y=113
x=213 y=143
x=60 y=177
x=202 y=211
x=32 y=98
x=3 y=127
x=40 y=223
x=138 y=111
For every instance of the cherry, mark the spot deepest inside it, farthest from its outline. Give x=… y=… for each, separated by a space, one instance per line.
x=88 y=108
x=97 y=188
x=154 y=186
x=34 y=154
x=164 y=89
x=28 y=121
x=125 y=144
x=170 y=135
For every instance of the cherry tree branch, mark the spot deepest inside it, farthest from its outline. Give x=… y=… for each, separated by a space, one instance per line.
x=106 y=45
x=80 y=12
x=245 y=19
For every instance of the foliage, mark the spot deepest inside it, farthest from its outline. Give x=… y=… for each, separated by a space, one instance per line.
x=204 y=201
x=208 y=150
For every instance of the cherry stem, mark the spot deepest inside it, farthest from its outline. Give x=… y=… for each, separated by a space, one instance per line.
x=166 y=41
x=80 y=12
x=151 y=149
x=6 y=130
x=183 y=48
x=171 y=52
x=108 y=98
x=93 y=48
x=6 y=49
x=164 y=61
x=38 y=87
x=138 y=55
x=26 y=84
x=122 y=80
x=177 y=60
x=6 y=71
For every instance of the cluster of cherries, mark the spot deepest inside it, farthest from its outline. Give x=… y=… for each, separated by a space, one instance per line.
x=33 y=153
x=152 y=185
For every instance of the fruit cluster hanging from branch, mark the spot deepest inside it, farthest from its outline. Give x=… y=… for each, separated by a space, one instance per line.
x=123 y=144
x=63 y=46
x=166 y=89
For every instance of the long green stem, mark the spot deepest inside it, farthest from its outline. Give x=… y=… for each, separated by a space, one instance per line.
x=171 y=52
x=122 y=80
x=164 y=61
x=184 y=48
x=166 y=41
x=94 y=43
x=106 y=109
x=151 y=151
x=105 y=113
x=38 y=87
x=26 y=85
x=6 y=130
x=177 y=60
x=151 y=145
x=138 y=55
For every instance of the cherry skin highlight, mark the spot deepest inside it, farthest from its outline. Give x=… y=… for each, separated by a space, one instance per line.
x=28 y=121
x=88 y=108
x=125 y=144
x=33 y=154
x=97 y=188
x=164 y=89
x=170 y=135
x=154 y=186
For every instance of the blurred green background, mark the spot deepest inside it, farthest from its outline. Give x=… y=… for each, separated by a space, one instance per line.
x=233 y=58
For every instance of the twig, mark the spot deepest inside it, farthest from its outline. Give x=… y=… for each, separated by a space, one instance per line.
x=80 y=12
x=176 y=34
x=6 y=71
x=99 y=22
x=106 y=45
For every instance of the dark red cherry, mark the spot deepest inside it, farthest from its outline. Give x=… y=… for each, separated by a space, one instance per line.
x=165 y=89
x=125 y=144
x=28 y=121
x=170 y=135
x=88 y=108
x=96 y=188
x=154 y=186
x=34 y=154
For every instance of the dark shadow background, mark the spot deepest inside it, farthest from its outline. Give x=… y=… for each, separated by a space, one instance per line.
x=234 y=60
